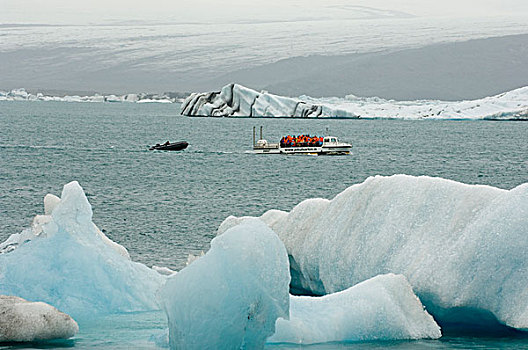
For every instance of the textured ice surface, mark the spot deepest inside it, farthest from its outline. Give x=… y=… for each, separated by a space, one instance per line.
x=231 y=297
x=66 y=261
x=23 y=321
x=460 y=246
x=236 y=100
x=381 y=308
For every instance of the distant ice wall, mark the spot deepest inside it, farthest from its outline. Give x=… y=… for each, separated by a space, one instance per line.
x=238 y=101
x=460 y=246
x=23 y=95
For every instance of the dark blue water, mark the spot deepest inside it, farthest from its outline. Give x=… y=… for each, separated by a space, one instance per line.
x=164 y=205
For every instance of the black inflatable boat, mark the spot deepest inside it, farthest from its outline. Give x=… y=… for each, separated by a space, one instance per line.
x=170 y=146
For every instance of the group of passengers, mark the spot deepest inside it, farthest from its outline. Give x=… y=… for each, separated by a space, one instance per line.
x=301 y=141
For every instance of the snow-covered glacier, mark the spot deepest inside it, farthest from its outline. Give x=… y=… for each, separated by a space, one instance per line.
x=461 y=247
x=235 y=100
x=66 y=261
x=381 y=308
x=231 y=297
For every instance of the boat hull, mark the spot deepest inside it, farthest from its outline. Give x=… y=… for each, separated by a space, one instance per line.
x=175 y=146
x=339 y=150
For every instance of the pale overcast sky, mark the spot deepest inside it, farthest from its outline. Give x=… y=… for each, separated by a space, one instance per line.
x=97 y=11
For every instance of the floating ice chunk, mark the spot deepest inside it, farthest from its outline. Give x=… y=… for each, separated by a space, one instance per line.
x=18 y=94
x=50 y=202
x=17 y=239
x=72 y=265
x=237 y=100
x=130 y=98
x=149 y=100
x=191 y=258
x=24 y=321
x=162 y=270
x=113 y=98
x=381 y=308
x=231 y=297
x=270 y=218
x=460 y=246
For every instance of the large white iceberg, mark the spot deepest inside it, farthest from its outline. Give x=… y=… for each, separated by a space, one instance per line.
x=231 y=297
x=24 y=321
x=66 y=261
x=235 y=100
x=238 y=101
x=381 y=308
x=462 y=247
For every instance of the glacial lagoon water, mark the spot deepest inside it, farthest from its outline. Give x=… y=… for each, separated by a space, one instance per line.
x=163 y=206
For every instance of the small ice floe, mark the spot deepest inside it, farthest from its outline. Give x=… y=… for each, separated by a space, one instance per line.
x=24 y=321
x=162 y=270
x=381 y=308
x=192 y=258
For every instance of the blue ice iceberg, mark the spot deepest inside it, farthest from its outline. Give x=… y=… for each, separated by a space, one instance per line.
x=231 y=297
x=66 y=261
x=461 y=247
x=381 y=308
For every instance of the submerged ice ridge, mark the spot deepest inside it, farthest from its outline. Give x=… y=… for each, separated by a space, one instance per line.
x=462 y=247
x=235 y=100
